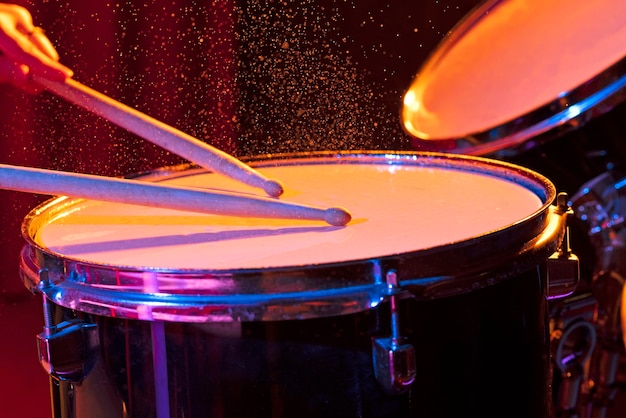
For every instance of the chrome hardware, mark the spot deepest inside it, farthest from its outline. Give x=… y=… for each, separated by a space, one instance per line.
x=68 y=350
x=607 y=289
x=572 y=349
x=563 y=265
x=599 y=204
x=393 y=358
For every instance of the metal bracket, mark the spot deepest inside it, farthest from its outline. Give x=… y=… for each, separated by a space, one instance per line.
x=68 y=350
x=393 y=358
x=572 y=348
x=563 y=265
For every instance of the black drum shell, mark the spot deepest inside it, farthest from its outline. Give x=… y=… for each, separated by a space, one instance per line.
x=480 y=354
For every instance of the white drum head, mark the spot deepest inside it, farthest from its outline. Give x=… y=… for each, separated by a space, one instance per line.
x=396 y=209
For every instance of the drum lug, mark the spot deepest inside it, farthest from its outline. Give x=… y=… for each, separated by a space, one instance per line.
x=563 y=265
x=68 y=350
x=393 y=358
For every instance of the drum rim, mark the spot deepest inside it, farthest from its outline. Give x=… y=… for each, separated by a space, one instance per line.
x=328 y=289
x=570 y=110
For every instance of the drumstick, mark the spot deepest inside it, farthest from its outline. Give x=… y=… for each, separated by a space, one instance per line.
x=160 y=133
x=60 y=183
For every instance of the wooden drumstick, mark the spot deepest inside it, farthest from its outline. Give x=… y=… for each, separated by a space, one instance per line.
x=60 y=183
x=160 y=133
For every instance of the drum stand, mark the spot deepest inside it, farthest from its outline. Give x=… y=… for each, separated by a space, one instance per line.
x=587 y=347
x=602 y=383
x=586 y=328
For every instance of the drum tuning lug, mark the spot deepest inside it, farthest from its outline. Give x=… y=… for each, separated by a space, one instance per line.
x=392 y=357
x=67 y=351
x=563 y=265
x=562 y=203
x=394 y=365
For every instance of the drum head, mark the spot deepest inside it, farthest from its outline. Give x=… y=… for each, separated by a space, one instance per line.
x=424 y=216
x=513 y=70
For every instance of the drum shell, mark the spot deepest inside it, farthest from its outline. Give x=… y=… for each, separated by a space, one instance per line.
x=480 y=354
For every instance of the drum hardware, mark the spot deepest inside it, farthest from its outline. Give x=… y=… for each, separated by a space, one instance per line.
x=68 y=350
x=393 y=357
x=598 y=203
x=590 y=321
x=573 y=345
x=602 y=387
x=588 y=383
x=572 y=335
x=563 y=265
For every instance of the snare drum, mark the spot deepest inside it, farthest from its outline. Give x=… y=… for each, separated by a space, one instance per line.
x=431 y=302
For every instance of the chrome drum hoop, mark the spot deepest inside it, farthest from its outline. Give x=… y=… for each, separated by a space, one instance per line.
x=304 y=291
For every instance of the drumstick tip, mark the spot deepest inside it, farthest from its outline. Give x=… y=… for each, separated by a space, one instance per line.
x=337 y=216
x=273 y=188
